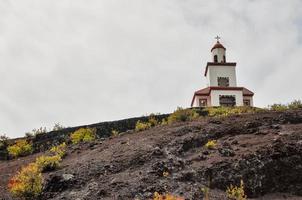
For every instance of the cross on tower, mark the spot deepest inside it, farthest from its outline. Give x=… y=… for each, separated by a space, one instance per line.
x=217 y=38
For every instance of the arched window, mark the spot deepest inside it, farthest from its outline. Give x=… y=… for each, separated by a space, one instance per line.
x=215 y=58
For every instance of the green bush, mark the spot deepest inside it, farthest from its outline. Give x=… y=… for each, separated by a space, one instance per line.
x=27 y=184
x=278 y=107
x=3 y=141
x=226 y=111
x=182 y=115
x=83 y=135
x=59 y=150
x=48 y=163
x=296 y=104
x=20 y=148
x=114 y=133
x=211 y=144
x=152 y=121
x=141 y=126
x=236 y=193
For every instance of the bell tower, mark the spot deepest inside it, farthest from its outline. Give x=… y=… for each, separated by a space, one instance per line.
x=218 y=52
x=222 y=89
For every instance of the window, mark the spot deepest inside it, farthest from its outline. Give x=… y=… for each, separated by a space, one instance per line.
x=224 y=59
x=227 y=100
x=223 y=81
x=202 y=102
x=246 y=102
x=215 y=58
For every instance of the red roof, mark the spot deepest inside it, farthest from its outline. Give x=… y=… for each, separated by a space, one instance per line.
x=218 y=45
x=206 y=91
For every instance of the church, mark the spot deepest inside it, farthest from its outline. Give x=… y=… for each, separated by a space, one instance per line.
x=222 y=89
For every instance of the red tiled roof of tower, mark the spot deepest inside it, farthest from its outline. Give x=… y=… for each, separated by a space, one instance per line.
x=218 y=45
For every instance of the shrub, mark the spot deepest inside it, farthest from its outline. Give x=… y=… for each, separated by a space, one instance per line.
x=152 y=121
x=59 y=150
x=278 y=107
x=57 y=127
x=236 y=193
x=206 y=193
x=141 y=126
x=29 y=135
x=166 y=174
x=37 y=131
x=164 y=121
x=83 y=135
x=157 y=196
x=3 y=141
x=182 y=115
x=226 y=111
x=48 y=163
x=114 y=133
x=211 y=144
x=296 y=104
x=20 y=148
x=27 y=183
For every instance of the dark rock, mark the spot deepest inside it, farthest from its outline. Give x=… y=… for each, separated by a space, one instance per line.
x=226 y=152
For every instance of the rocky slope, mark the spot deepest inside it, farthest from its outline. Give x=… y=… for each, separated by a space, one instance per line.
x=264 y=150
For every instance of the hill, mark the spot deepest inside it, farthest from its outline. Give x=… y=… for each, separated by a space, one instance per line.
x=262 y=149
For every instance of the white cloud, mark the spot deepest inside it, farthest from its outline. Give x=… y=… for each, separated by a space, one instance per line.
x=79 y=62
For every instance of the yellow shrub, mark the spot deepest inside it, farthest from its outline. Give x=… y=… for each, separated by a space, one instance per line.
x=27 y=183
x=59 y=150
x=226 y=111
x=152 y=121
x=114 y=133
x=141 y=126
x=83 y=135
x=48 y=163
x=206 y=193
x=236 y=193
x=164 y=121
x=181 y=115
x=20 y=148
x=166 y=174
x=211 y=144
x=157 y=196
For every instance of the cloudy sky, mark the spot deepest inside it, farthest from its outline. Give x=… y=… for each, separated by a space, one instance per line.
x=85 y=61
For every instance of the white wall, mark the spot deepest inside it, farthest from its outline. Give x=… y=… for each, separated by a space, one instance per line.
x=220 y=52
x=215 y=71
x=196 y=100
x=215 y=96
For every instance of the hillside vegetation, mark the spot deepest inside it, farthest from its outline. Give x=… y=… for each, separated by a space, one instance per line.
x=217 y=153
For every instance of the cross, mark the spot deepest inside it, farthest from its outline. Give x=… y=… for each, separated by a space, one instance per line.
x=217 y=38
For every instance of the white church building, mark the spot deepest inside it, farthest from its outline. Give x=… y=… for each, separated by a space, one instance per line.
x=222 y=89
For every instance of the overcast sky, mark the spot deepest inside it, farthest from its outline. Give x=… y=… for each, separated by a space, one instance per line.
x=84 y=61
